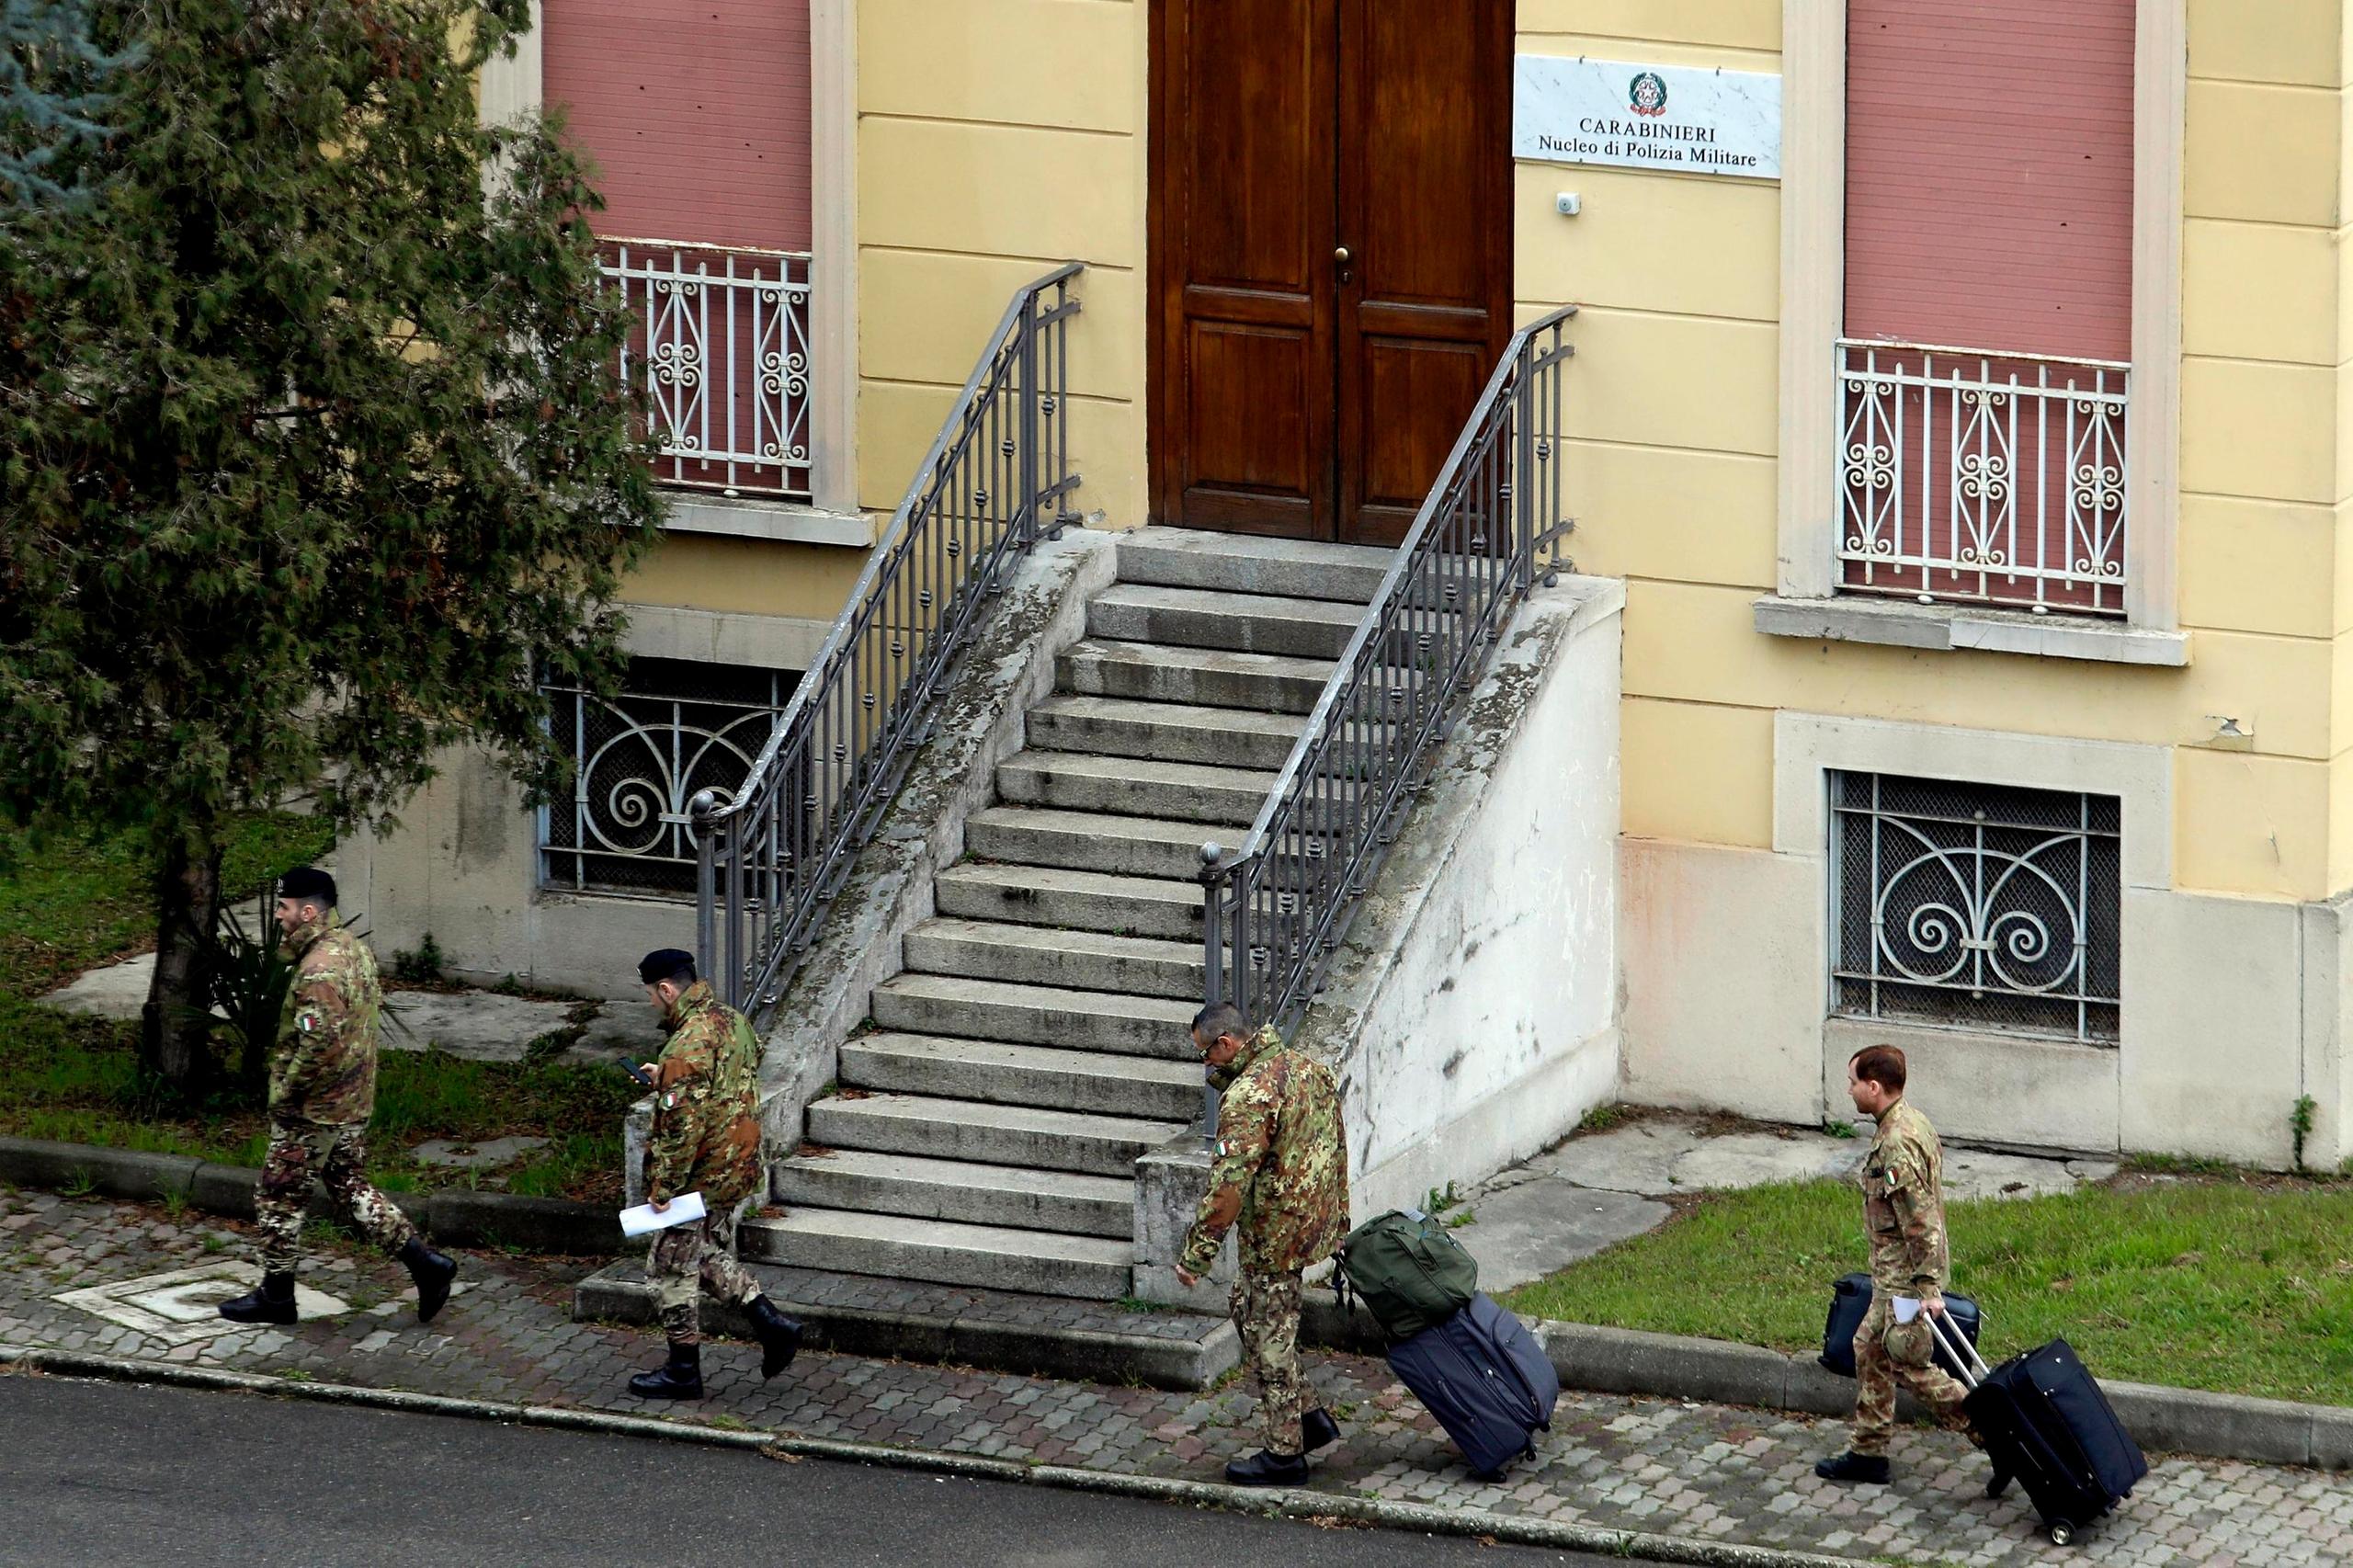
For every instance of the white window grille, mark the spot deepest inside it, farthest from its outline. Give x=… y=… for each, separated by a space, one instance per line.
x=719 y=343
x=638 y=759
x=1980 y=478
x=1979 y=906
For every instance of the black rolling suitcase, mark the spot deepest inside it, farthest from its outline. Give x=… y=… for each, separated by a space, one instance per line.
x=2047 y=1426
x=1850 y=1298
x=1485 y=1378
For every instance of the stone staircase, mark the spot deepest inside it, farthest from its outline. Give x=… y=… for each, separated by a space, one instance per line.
x=984 y=1131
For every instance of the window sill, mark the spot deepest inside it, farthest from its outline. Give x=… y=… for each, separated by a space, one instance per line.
x=790 y=522
x=1948 y=628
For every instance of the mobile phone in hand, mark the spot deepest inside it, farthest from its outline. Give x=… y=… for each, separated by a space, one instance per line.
x=636 y=1071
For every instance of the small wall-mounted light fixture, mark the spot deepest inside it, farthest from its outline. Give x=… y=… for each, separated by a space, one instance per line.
x=1568 y=204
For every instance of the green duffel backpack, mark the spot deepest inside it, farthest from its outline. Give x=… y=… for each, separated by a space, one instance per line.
x=1409 y=1271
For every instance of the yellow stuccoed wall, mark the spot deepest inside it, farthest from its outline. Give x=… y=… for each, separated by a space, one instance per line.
x=997 y=139
x=1674 y=414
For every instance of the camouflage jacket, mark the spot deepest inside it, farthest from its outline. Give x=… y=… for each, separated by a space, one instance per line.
x=324 y=1068
x=1903 y=1205
x=706 y=1134
x=1281 y=1168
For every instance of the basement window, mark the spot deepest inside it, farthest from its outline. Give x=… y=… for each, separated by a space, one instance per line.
x=677 y=726
x=1981 y=906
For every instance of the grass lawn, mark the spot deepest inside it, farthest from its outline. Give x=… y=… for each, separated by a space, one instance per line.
x=2239 y=1286
x=72 y=904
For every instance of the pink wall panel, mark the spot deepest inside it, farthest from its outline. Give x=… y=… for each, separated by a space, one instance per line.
x=1989 y=174
x=696 y=112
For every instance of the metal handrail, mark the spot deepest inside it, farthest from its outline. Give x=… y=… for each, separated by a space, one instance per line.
x=773 y=855
x=1276 y=908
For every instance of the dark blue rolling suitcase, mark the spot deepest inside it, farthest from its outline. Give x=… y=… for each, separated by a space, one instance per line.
x=1850 y=1298
x=2047 y=1426
x=1485 y=1378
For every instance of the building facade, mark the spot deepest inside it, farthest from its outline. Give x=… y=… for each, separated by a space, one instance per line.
x=1962 y=398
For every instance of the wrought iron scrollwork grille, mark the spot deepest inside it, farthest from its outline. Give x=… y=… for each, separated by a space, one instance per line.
x=776 y=852
x=1978 y=905
x=639 y=759
x=1278 y=907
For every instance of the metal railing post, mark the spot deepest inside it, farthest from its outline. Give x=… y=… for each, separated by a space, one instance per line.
x=699 y=811
x=1212 y=970
x=1029 y=424
x=1523 y=485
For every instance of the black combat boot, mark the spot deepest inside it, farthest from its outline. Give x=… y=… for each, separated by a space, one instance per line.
x=1318 y=1429
x=679 y=1378
x=1871 y=1469
x=1268 y=1468
x=270 y=1301
x=432 y=1272
x=779 y=1335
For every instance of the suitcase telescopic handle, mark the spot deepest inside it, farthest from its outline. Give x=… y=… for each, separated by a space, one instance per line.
x=1974 y=1370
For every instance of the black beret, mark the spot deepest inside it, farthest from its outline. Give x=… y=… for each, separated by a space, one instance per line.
x=307 y=884
x=666 y=964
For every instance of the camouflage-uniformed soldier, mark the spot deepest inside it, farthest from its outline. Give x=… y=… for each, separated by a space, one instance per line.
x=1281 y=1177
x=322 y=1091
x=1903 y=1211
x=705 y=1139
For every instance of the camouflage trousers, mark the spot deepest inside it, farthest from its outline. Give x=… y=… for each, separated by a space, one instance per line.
x=1266 y=1313
x=337 y=1158
x=689 y=1259
x=1888 y=1353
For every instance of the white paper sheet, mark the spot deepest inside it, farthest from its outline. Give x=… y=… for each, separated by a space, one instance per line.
x=1907 y=1308
x=684 y=1210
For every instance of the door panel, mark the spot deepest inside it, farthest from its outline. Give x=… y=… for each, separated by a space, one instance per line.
x=1293 y=393
x=1424 y=201
x=1247 y=418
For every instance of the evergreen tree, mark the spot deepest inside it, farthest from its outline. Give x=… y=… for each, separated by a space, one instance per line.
x=51 y=97
x=314 y=457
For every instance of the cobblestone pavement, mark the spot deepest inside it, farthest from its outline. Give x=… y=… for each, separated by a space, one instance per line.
x=1703 y=1472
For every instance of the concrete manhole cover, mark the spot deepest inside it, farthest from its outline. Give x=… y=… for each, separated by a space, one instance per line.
x=180 y=1308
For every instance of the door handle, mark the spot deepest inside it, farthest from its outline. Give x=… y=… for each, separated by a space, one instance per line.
x=1340 y=256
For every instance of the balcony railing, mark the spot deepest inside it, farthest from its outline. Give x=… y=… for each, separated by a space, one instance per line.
x=719 y=343
x=1972 y=477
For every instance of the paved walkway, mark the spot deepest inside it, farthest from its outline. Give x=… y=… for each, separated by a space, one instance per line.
x=1708 y=1472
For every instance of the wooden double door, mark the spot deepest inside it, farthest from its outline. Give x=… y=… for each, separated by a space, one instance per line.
x=1330 y=255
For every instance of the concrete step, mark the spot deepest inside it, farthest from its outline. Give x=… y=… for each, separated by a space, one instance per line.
x=1215 y=618
x=1038 y=1015
x=993 y=1257
x=1184 y=791
x=957 y=1191
x=957 y=1325
x=1003 y=1073
x=1241 y=564
x=1088 y=841
x=1085 y=901
x=1214 y=678
x=1074 y=960
x=1167 y=732
x=986 y=1134
x=1092 y=841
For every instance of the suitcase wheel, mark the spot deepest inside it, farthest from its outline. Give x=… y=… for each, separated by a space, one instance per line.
x=2061 y=1532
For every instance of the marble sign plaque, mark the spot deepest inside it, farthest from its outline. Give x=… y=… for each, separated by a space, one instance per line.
x=1623 y=113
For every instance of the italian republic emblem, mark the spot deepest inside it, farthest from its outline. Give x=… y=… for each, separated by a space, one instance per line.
x=1646 y=94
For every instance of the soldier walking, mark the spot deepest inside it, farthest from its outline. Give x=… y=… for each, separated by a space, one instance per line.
x=1281 y=1175
x=705 y=1139
x=1904 y=1212
x=322 y=1091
